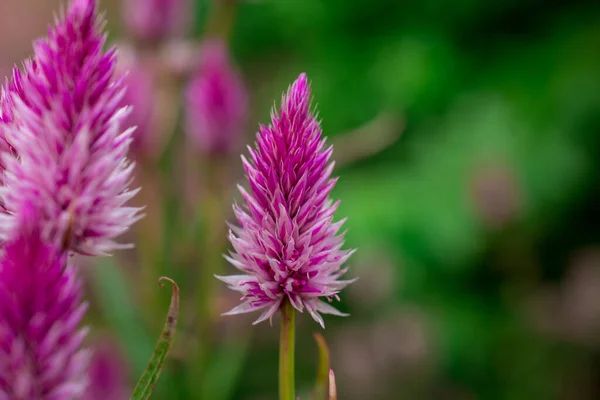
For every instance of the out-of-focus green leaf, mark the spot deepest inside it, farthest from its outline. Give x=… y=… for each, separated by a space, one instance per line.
x=114 y=298
x=220 y=378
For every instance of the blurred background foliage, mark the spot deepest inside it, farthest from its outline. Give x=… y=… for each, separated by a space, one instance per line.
x=476 y=218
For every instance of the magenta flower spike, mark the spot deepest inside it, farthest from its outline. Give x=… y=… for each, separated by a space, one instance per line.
x=287 y=244
x=62 y=117
x=215 y=101
x=40 y=312
x=156 y=20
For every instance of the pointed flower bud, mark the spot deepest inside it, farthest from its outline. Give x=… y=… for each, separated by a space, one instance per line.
x=287 y=244
x=40 y=312
x=63 y=118
x=215 y=101
x=156 y=20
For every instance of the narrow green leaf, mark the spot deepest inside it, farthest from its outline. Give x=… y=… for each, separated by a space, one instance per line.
x=145 y=385
x=332 y=386
x=120 y=312
x=322 y=367
x=218 y=382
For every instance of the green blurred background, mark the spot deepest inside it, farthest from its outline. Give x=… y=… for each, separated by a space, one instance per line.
x=469 y=140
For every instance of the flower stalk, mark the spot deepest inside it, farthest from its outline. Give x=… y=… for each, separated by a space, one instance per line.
x=287 y=341
x=222 y=19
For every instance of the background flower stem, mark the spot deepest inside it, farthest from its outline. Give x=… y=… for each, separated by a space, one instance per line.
x=213 y=207
x=222 y=19
x=150 y=241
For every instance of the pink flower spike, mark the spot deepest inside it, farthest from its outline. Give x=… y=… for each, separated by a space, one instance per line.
x=63 y=121
x=215 y=102
x=156 y=20
x=287 y=244
x=40 y=312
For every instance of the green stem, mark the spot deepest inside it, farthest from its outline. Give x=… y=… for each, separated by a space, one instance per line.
x=286 y=352
x=214 y=234
x=222 y=19
x=150 y=241
x=211 y=263
x=212 y=230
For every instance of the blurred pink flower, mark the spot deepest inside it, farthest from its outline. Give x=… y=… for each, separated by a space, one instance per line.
x=215 y=101
x=108 y=376
x=40 y=312
x=63 y=118
x=156 y=20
